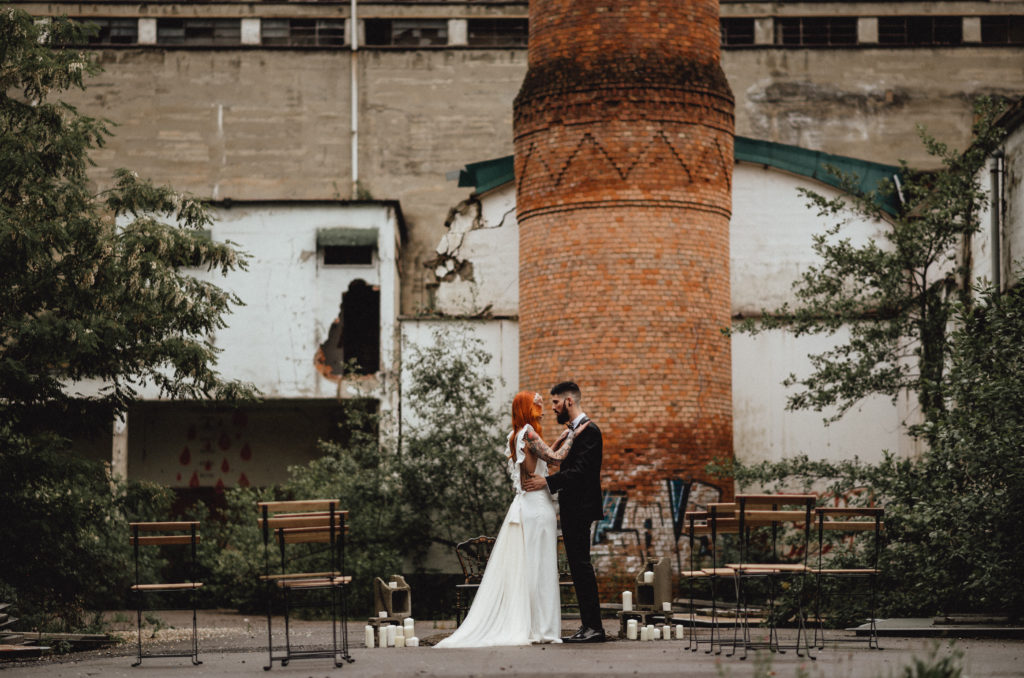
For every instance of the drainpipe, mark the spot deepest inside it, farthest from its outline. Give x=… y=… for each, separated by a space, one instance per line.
x=996 y=208
x=354 y=97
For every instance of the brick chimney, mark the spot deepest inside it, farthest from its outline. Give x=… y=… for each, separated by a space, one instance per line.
x=623 y=163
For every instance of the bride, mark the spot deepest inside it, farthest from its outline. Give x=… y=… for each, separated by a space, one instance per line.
x=518 y=600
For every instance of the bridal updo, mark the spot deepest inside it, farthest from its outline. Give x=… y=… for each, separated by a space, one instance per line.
x=525 y=410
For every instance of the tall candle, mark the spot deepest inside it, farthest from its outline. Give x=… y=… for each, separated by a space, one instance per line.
x=627 y=601
x=399 y=632
x=630 y=629
x=656 y=634
x=645 y=633
x=410 y=626
x=648 y=577
x=679 y=631
x=369 y=636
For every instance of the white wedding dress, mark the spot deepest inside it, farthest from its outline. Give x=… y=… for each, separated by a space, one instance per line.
x=518 y=600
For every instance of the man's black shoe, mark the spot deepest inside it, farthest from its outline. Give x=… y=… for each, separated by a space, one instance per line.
x=586 y=635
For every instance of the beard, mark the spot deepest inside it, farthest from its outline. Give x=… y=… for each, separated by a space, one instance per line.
x=562 y=417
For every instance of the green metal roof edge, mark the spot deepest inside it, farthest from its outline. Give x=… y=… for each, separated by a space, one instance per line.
x=489 y=174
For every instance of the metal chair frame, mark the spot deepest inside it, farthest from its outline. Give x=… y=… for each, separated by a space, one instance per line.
x=756 y=511
x=190 y=538
x=868 y=574
x=306 y=522
x=473 y=555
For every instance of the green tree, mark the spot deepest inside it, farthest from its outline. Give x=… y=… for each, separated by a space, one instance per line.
x=93 y=287
x=894 y=295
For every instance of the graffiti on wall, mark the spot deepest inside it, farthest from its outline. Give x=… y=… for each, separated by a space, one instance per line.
x=216 y=451
x=642 y=530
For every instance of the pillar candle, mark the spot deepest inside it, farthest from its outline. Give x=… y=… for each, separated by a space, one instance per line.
x=391 y=635
x=656 y=634
x=645 y=633
x=648 y=577
x=410 y=626
x=383 y=614
x=369 y=636
x=679 y=631
x=413 y=642
x=399 y=641
x=666 y=606
x=392 y=584
x=399 y=632
x=627 y=601
x=630 y=629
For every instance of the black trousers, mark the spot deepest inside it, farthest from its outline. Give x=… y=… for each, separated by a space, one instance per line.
x=576 y=537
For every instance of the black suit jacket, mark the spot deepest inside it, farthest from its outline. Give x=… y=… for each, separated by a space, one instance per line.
x=578 y=481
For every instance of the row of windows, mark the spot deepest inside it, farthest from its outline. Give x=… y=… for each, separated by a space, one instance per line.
x=892 y=31
x=789 y=31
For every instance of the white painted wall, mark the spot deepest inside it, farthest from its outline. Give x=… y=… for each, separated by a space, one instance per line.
x=291 y=297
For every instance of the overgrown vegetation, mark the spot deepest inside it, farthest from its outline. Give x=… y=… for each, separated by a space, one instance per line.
x=91 y=290
x=894 y=295
x=952 y=541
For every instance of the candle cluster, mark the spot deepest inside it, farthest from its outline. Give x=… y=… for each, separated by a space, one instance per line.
x=651 y=632
x=393 y=635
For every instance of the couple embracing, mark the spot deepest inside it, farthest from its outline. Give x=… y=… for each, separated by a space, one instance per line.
x=518 y=600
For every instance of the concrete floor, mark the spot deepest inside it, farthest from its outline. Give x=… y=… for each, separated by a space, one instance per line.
x=232 y=644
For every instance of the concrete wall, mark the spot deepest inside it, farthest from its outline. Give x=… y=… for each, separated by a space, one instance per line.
x=253 y=124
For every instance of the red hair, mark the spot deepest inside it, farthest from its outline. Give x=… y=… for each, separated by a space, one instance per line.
x=524 y=411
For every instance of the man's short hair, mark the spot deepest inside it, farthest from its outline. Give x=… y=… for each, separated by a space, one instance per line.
x=567 y=388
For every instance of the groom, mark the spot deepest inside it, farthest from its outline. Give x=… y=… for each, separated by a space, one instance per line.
x=578 y=484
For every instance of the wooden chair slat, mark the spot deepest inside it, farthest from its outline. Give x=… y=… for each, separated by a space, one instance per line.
x=313 y=583
x=167 y=525
x=769 y=517
x=302 y=521
x=302 y=505
x=164 y=540
x=849 y=570
x=721 y=571
x=779 y=499
x=850 y=511
x=168 y=587
x=298 y=575
x=851 y=525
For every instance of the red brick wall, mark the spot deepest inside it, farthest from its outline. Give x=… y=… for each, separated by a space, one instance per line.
x=623 y=145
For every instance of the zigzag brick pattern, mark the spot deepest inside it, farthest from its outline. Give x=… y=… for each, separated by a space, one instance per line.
x=623 y=160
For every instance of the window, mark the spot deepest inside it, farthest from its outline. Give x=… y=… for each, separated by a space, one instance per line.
x=113 y=31
x=816 y=31
x=407 y=32
x=920 y=30
x=498 y=32
x=306 y=32
x=737 y=31
x=1002 y=30
x=198 y=31
x=335 y=255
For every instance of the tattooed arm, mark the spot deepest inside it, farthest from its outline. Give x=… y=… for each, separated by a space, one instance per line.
x=554 y=455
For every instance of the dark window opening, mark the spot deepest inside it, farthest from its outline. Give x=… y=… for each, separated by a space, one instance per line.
x=737 y=31
x=113 y=31
x=360 y=330
x=1002 y=30
x=816 y=31
x=920 y=30
x=348 y=254
x=498 y=32
x=199 y=31
x=302 y=32
x=406 y=32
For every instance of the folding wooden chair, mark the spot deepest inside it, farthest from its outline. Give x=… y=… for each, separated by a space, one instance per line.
x=161 y=534
x=767 y=520
x=851 y=562
x=305 y=530
x=473 y=555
